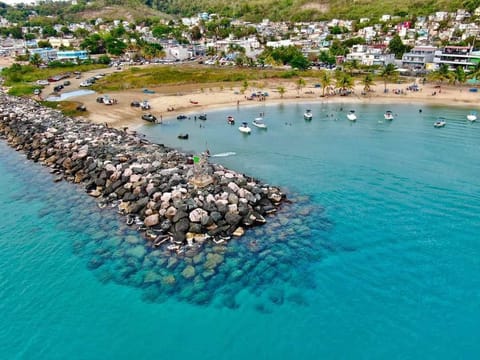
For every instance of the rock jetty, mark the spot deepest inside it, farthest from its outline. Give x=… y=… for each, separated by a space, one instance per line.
x=160 y=191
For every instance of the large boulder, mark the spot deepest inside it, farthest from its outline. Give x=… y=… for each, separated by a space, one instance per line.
x=151 y=220
x=197 y=214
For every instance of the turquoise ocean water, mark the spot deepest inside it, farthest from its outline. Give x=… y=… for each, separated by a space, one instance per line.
x=380 y=257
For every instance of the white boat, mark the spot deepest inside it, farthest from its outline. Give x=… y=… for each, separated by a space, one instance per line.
x=244 y=128
x=307 y=115
x=351 y=115
x=472 y=116
x=440 y=122
x=388 y=115
x=258 y=122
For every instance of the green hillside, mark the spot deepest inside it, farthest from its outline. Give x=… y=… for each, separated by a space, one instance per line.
x=250 y=10
x=256 y=10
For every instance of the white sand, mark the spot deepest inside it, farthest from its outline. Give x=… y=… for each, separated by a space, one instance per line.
x=181 y=98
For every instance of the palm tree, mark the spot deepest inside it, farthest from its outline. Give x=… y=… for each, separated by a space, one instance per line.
x=325 y=80
x=443 y=73
x=345 y=82
x=367 y=82
x=351 y=66
x=281 y=91
x=459 y=76
x=300 y=85
x=475 y=73
x=388 y=74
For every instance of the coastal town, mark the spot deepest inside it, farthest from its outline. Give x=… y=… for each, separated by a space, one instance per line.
x=414 y=45
x=239 y=179
x=442 y=44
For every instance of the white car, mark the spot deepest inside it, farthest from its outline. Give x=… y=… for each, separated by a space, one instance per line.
x=42 y=82
x=85 y=84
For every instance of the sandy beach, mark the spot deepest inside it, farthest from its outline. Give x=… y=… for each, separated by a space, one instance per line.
x=197 y=98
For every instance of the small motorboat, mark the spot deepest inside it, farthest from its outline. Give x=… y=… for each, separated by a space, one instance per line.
x=351 y=115
x=230 y=120
x=258 y=122
x=388 y=115
x=183 y=136
x=307 y=115
x=244 y=128
x=202 y=117
x=181 y=117
x=472 y=116
x=440 y=122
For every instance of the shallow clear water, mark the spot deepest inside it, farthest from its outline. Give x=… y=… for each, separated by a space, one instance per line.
x=378 y=257
x=68 y=94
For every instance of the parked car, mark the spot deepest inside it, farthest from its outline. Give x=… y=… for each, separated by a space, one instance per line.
x=135 y=104
x=81 y=107
x=149 y=117
x=145 y=105
x=42 y=82
x=37 y=91
x=58 y=88
x=85 y=84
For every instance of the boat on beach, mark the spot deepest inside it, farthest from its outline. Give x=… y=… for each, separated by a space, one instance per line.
x=244 y=128
x=351 y=115
x=258 y=122
x=307 y=115
x=472 y=116
x=440 y=122
x=388 y=115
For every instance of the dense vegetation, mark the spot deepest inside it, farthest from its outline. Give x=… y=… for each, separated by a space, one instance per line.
x=250 y=10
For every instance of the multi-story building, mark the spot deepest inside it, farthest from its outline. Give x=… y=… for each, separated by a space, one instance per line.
x=418 y=57
x=47 y=54
x=457 y=56
x=370 y=55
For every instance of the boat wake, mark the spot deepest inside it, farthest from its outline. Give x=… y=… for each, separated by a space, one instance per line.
x=225 y=154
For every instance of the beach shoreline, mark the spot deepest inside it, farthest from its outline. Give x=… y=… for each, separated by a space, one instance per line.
x=168 y=101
